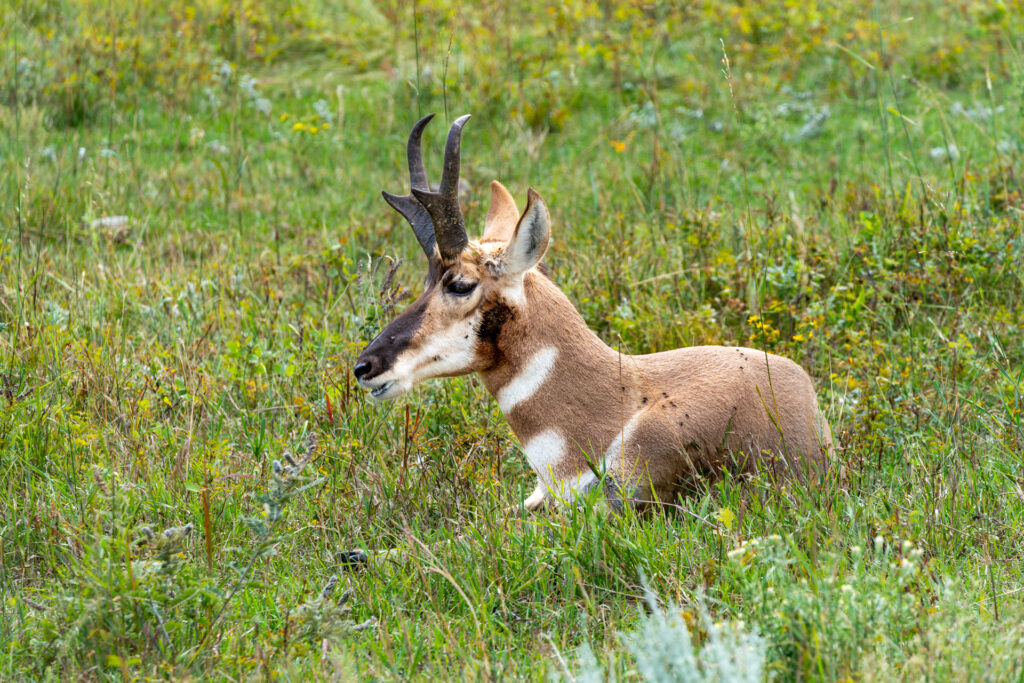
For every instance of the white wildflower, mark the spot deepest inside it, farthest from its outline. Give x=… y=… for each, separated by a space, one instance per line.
x=976 y=112
x=247 y=84
x=323 y=109
x=1007 y=147
x=948 y=152
x=109 y=223
x=222 y=71
x=813 y=126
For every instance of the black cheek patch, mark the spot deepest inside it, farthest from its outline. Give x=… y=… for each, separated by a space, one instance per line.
x=492 y=321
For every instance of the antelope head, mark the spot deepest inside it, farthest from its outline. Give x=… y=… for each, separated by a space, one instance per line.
x=472 y=287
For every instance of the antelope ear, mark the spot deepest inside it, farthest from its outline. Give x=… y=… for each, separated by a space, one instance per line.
x=530 y=240
x=501 y=217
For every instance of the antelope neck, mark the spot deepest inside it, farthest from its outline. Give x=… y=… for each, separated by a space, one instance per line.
x=553 y=370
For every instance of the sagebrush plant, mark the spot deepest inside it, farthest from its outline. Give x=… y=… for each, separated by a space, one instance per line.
x=663 y=650
x=127 y=585
x=193 y=250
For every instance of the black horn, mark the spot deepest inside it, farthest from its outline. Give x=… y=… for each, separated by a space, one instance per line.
x=443 y=205
x=408 y=205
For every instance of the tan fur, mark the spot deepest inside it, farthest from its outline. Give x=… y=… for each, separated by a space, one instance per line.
x=502 y=216
x=699 y=410
x=651 y=422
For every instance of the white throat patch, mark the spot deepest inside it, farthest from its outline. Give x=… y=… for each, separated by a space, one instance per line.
x=528 y=381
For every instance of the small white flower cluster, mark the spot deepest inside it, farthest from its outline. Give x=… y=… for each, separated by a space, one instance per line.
x=814 y=124
x=909 y=555
x=976 y=112
x=1008 y=146
x=323 y=109
x=948 y=152
x=754 y=547
x=981 y=114
x=644 y=117
x=222 y=72
x=57 y=314
x=217 y=147
x=247 y=84
x=801 y=103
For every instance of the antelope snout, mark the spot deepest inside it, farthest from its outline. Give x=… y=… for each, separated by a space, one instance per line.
x=369 y=365
x=380 y=367
x=372 y=371
x=363 y=369
x=375 y=359
x=367 y=370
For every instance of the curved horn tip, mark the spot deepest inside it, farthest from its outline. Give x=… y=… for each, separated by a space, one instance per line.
x=422 y=123
x=414 y=154
x=454 y=141
x=455 y=132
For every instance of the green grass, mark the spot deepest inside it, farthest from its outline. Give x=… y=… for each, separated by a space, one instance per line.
x=152 y=371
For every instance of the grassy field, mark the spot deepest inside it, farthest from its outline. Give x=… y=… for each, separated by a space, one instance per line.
x=193 y=250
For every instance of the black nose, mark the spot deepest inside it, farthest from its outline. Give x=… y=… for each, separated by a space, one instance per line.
x=362 y=369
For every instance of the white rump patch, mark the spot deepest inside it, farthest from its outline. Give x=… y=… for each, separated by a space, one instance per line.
x=528 y=381
x=544 y=452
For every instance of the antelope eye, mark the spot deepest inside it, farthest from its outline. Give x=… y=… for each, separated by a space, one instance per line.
x=460 y=287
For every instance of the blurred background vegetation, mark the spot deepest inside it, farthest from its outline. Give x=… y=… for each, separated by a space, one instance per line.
x=193 y=250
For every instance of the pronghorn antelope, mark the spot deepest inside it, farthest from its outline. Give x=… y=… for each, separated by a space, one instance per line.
x=583 y=412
